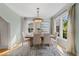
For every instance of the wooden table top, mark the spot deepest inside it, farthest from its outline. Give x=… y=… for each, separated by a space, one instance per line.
x=31 y=36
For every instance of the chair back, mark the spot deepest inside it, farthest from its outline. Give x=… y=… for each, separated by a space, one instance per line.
x=37 y=39
x=47 y=38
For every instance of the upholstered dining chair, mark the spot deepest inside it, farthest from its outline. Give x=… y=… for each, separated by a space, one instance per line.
x=54 y=40
x=36 y=39
x=47 y=39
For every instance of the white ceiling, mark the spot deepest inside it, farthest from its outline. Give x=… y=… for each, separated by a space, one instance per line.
x=29 y=9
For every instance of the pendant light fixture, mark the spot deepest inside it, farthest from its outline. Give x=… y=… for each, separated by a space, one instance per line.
x=38 y=19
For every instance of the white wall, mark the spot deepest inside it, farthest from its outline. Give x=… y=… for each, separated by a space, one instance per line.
x=77 y=28
x=15 y=24
x=4 y=33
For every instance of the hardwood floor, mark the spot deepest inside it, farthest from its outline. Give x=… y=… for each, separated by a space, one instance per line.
x=3 y=50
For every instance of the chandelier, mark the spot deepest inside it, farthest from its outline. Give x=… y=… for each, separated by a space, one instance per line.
x=38 y=19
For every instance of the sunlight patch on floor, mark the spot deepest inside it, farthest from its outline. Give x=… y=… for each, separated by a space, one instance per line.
x=3 y=50
x=10 y=50
x=60 y=49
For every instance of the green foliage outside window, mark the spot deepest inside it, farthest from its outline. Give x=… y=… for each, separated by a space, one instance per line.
x=65 y=22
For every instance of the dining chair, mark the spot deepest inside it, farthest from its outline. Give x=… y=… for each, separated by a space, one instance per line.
x=37 y=39
x=55 y=39
x=26 y=40
x=47 y=39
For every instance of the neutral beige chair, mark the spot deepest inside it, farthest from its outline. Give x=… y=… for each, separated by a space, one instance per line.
x=47 y=39
x=55 y=36
x=25 y=40
x=55 y=39
x=37 y=39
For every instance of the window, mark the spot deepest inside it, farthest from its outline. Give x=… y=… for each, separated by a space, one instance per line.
x=45 y=26
x=61 y=25
x=30 y=29
x=65 y=23
x=57 y=30
x=58 y=25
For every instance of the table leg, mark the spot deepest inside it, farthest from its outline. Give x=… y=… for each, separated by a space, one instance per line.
x=42 y=39
x=31 y=42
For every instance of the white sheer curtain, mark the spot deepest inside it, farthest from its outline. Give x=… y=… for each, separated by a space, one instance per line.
x=71 y=31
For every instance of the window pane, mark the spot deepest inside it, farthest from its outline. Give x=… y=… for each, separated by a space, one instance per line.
x=65 y=22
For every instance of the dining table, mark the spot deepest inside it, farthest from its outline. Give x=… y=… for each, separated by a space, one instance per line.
x=42 y=38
